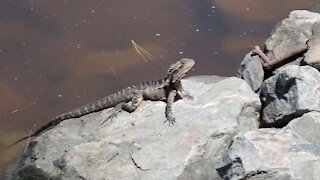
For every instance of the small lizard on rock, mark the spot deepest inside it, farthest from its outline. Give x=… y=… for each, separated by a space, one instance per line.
x=131 y=97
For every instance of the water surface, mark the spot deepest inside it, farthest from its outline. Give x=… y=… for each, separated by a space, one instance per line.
x=59 y=55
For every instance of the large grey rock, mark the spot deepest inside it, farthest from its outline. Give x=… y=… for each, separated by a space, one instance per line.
x=140 y=146
x=291 y=33
x=273 y=154
x=312 y=56
x=251 y=71
x=307 y=126
x=290 y=93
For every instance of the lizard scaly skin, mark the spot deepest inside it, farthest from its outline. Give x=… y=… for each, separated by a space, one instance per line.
x=131 y=97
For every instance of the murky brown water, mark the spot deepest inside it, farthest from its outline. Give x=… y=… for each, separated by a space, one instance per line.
x=58 y=55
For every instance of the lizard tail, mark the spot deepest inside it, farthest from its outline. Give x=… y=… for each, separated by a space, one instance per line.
x=22 y=139
x=40 y=130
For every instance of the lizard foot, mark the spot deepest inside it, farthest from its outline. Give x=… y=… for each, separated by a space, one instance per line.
x=171 y=120
x=114 y=112
x=188 y=97
x=110 y=117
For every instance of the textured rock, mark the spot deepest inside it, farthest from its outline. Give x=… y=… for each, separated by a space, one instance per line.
x=270 y=154
x=307 y=126
x=291 y=33
x=140 y=146
x=251 y=71
x=290 y=93
x=312 y=56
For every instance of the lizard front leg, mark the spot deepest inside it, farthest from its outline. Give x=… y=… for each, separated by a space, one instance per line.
x=129 y=106
x=170 y=100
x=182 y=92
x=185 y=95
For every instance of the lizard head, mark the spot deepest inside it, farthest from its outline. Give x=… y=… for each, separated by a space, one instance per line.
x=179 y=69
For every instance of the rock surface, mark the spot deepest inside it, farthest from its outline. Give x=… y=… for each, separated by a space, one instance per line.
x=270 y=154
x=291 y=33
x=251 y=71
x=307 y=126
x=312 y=56
x=140 y=146
x=290 y=93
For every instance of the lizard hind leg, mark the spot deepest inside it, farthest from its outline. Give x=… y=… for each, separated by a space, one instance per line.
x=114 y=112
x=129 y=107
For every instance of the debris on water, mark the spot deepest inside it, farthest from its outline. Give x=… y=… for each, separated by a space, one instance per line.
x=14 y=111
x=142 y=52
x=113 y=70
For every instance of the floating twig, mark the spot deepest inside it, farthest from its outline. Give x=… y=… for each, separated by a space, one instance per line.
x=142 y=52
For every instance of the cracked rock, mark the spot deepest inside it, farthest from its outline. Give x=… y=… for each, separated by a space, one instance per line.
x=139 y=146
x=290 y=93
x=291 y=33
x=270 y=154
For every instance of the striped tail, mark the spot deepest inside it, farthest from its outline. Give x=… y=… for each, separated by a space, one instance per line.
x=45 y=127
x=98 y=105
x=22 y=139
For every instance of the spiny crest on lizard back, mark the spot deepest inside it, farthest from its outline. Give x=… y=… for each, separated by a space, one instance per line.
x=179 y=69
x=131 y=97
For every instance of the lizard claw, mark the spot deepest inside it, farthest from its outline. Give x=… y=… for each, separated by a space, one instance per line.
x=170 y=120
x=106 y=119
x=188 y=97
x=114 y=113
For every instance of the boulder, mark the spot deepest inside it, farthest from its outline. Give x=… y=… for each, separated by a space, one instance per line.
x=290 y=34
x=139 y=145
x=251 y=71
x=270 y=154
x=307 y=126
x=312 y=56
x=290 y=93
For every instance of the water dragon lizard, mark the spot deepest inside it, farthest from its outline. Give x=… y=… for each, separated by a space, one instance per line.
x=128 y=99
